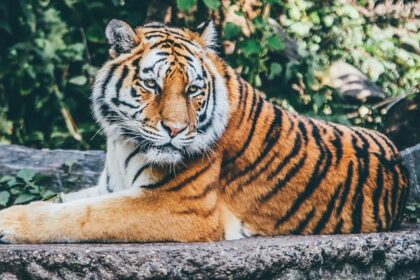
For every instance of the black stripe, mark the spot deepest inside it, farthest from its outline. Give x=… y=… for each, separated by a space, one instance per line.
x=281 y=183
x=119 y=102
x=293 y=152
x=338 y=227
x=362 y=154
x=120 y=81
x=303 y=223
x=316 y=178
x=189 y=180
x=131 y=155
x=373 y=138
x=204 y=193
x=133 y=92
x=254 y=99
x=338 y=146
x=240 y=90
x=108 y=79
x=262 y=170
x=163 y=54
x=208 y=122
x=389 y=143
x=183 y=56
x=327 y=214
x=140 y=171
x=154 y=36
x=136 y=66
x=395 y=187
x=386 y=210
x=303 y=130
x=166 y=41
x=210 y=96
x=401 y=205
x=271 y=137
x=243 y=108
x=250 y=134
x=346 y=190
x=107 y=113
x=108 y=186
x=292 y=124
x=377 y=196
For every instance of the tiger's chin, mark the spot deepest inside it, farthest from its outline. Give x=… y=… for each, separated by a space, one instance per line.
x=164 y=155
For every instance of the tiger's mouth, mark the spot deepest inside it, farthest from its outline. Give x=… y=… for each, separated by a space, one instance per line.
x=168 y=147
x=165 y=154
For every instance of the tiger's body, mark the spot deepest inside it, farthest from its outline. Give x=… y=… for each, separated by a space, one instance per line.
x=194 y=153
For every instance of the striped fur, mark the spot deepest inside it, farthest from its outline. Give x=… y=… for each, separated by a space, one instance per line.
x=194 y=153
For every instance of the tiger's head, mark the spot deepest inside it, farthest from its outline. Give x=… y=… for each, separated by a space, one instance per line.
x=163 y=89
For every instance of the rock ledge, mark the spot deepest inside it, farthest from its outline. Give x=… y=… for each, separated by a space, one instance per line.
x=392 y=255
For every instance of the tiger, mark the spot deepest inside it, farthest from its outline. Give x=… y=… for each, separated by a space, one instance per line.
x=196 y=154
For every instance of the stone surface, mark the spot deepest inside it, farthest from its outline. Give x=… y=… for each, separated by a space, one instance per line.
x=411 y=159
x=63 y=169
x=394 y=255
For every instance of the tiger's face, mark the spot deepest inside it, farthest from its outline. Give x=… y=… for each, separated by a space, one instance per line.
x=163 y=90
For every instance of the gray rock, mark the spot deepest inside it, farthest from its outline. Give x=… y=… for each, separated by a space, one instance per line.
x=63 y=169
x=393 y=255
x=411 y=159
x=353 y=84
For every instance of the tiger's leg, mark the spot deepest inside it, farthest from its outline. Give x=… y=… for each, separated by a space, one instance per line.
x=97 y=190
x=85 y=193
x=134 y=215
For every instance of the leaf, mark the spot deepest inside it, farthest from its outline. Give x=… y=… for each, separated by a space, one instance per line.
x=275 y=43
x=5 y=179
x=231 y=31
x=48 y=194
x=410 y=208
x=251 y=46
x=12 y=182
x=95 y=33
x=15 y=191
x=78 y=80
x=4 y=198
x=26 y=174
x=275 y=70
x=185 y=5
x=212 y=4
x=24 y=198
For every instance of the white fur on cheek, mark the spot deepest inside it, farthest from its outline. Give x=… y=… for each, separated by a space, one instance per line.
x=203 y=142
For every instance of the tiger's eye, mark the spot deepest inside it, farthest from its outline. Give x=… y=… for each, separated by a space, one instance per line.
x=150 y=83
x=192 y=89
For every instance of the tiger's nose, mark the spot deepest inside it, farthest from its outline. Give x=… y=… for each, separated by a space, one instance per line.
x=173 y=129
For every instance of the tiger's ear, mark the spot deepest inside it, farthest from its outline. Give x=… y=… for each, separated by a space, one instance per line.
x=208 y=34
x=121 y=37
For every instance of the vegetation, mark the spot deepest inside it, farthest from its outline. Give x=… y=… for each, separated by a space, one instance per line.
x=50 y=51
x=23 y=188
x=412 y=212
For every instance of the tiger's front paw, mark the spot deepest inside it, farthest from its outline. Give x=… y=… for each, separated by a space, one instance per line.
x=17 y=224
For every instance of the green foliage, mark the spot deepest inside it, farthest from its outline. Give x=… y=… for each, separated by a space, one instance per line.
x=49 y=54
x=412 y=212
x=51 y=50
x=22 y=188
x=336 y=30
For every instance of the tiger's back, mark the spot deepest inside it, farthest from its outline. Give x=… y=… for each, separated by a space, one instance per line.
x=292 y=174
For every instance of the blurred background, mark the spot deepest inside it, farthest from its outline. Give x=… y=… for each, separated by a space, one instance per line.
x=350 y=61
